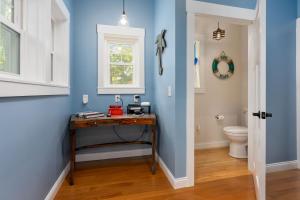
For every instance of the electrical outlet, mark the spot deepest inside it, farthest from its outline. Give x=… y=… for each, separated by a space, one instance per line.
x=85 y=99
x=136 y=98
x=117 y=98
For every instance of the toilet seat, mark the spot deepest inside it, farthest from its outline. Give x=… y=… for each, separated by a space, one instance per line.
x=236 y=130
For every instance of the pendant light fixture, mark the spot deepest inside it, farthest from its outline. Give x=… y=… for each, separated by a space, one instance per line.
x=219 y=33
x=124 y=19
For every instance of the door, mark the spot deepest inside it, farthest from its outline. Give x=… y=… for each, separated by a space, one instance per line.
x=257 y=100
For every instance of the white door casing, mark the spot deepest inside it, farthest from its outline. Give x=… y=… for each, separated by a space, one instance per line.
x=257 y=86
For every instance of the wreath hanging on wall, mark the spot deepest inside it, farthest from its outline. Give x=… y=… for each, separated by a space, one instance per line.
x=223 y=58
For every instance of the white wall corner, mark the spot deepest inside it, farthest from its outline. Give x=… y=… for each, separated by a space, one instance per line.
x=298 y=87
x=282 y=166
x=55 y=188
x=176 y=183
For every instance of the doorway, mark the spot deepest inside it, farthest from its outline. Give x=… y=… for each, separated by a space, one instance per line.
x=256 y=22
x=221 y=100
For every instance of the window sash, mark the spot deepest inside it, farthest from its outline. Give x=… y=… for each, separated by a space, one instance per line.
x=107 y=63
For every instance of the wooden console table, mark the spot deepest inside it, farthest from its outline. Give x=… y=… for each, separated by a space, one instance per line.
x=81 y=123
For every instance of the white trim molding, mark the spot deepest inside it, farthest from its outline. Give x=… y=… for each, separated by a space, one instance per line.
x=190 y=100
x=282 y=166
x=298 y=87
x=13 y=88
x=135 y=37
x=212 y=145
x=55 y=188
x=176 y=183
x=112 y=155
x=212 y=9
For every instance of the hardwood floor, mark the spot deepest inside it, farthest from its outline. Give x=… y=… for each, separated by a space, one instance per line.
x=216 y=164
x=130 y=179
x=283 y=185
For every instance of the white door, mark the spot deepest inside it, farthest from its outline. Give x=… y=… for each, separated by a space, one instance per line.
x=257 y=101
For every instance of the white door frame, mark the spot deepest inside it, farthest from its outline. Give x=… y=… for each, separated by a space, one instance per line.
x=298 y=88
x=234 y=14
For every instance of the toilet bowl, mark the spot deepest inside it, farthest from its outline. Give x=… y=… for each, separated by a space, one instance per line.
x=238 y=138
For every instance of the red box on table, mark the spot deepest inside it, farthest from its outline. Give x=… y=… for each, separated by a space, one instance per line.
x=115 y=110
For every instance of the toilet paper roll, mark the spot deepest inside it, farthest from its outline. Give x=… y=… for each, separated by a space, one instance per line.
x=220 y=117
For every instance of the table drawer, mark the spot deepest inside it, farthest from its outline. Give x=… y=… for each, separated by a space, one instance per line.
x=141 y=121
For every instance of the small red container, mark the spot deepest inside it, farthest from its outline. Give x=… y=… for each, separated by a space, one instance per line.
x=115 y=110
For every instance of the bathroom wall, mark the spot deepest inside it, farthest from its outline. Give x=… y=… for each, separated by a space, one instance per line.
x=225 y=97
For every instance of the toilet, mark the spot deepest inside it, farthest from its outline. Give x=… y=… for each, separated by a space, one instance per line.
x=238 y=138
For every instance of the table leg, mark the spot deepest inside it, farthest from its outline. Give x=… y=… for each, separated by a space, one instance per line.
x=154 y=133
x=73 y=153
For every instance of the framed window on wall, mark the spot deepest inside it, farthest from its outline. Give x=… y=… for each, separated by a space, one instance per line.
x=34 y=48
x=10 y=33
x=120 y=60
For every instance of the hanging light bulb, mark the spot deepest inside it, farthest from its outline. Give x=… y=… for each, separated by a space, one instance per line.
x=124 y=19
x=219 y=33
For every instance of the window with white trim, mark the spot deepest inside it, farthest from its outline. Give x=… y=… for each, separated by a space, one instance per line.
x=34 y=48
x=10 y=26
x=120 y=60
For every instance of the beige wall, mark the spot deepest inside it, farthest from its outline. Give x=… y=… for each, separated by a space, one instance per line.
x=225 y=97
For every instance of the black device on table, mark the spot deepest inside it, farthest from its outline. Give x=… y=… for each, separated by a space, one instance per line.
x=138 y=109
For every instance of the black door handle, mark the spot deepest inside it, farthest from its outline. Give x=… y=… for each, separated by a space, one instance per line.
x=265 y=115
x=256 y=114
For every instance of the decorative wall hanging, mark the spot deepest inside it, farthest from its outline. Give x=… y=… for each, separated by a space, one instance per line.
x=161 y=44
x=219 y=33
x=223 y=58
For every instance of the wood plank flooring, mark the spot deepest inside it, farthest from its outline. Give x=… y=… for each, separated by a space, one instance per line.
x=216 y=164
x=130 y=179
x=283 y=185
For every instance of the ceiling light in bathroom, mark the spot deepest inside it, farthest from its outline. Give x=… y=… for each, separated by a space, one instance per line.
x=219 y=33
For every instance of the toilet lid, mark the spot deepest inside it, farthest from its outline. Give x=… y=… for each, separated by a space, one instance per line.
x=236 y=129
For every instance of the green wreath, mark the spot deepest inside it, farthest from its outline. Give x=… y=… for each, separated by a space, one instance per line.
x=223 y=58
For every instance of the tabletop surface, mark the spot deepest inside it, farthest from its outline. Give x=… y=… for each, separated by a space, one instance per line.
x=74 y=118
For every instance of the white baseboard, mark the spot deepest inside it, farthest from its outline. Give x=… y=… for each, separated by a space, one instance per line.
x=282 y=166
x=176 y=183
x=113 y=155
x=55 y=188
x=212 y=145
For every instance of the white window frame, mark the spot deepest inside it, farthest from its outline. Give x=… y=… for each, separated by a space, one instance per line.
x=14 y=85
x=126 y=35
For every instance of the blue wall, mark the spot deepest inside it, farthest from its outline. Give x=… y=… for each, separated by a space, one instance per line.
x=171 y=15
x=164 y=105
x=87 y=15
x=236 y=3
x=180 y=92
x=281 y=80
x=34 y=145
